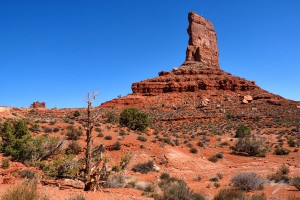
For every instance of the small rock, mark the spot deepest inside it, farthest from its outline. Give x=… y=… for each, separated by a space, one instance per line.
x=245 y=101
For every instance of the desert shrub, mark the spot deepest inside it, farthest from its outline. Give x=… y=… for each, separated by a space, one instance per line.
x=73 y=148
x=213 y=159
x=99 y=130
x=65 y=166
x=73 y=133
x=227 y=194
x=296 y=182
x=76 y=113
x=217 y=185
x=42 y=147
x=281 y=151
x=112 y=117
x=116 y=168
x=116 y=146
x=247 y=181
x=219 y=175
x=142 y=138
x=48 y=130
x=122 y=132
x=164 y=176
x=193 y=150
x=174 y=189
x=5 y=163
x=252 y=146
x=116 y=181
x=108 y=137
x=26 y=173
x=291 y=142
x=242 y=131
x=219 y=155
x=214 y=179
x=133 y=119
x=125 y=159
x=56 y=129
x=24 y=192
x=35 y=128
x=145 y=186
x=143 y=168
x=100 y=135
x=284 y=169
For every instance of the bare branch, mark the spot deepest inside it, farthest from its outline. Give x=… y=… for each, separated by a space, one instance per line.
x=91 y=96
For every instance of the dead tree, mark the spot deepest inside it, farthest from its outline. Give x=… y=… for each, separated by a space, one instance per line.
x=95 y=164
x=90 y=98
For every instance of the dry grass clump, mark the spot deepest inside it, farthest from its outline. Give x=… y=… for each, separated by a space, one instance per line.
x=24 y=192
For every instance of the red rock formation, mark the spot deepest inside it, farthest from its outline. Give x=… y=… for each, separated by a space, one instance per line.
x=199 y=75
x=202 y=42
x=38 y=104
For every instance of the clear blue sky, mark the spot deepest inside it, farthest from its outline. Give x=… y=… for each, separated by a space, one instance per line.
x=58 y=50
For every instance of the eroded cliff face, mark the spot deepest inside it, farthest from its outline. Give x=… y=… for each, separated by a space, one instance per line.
x=202 y=45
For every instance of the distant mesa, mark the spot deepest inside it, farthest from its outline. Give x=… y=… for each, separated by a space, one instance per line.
x=200 y=73
x=38 y=104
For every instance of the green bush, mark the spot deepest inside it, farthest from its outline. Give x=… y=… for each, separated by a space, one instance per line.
x=73 y=133
x=164 y=176
x=15 y=139
x=116 y=146
x=281 y=151
x=5 y=163
x=48 y=130
x=144 y=168
x=76 y=113
x=142 y=138
x=133 y=119
x=26 y=173
x=193 y=150
x=242 y=131
x=112 y=117
x=251 y=146
x=73 y=148
x=108 y=137
x=41 y=148
x=213 y=159
x=65 y=166
x=35 y=128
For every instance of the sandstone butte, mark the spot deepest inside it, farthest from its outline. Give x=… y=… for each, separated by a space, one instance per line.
x=197 y=79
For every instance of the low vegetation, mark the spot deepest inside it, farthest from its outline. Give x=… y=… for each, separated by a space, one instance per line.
x=24 y=192
x=247 y=181
x=174 y=189
x=134 y=119
x=144 y=168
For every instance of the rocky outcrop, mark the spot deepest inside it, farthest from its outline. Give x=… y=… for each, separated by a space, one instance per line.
x=199 y=75
x=191 y=78
x=201 y=69
x=38 y=104
x=202 y=45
